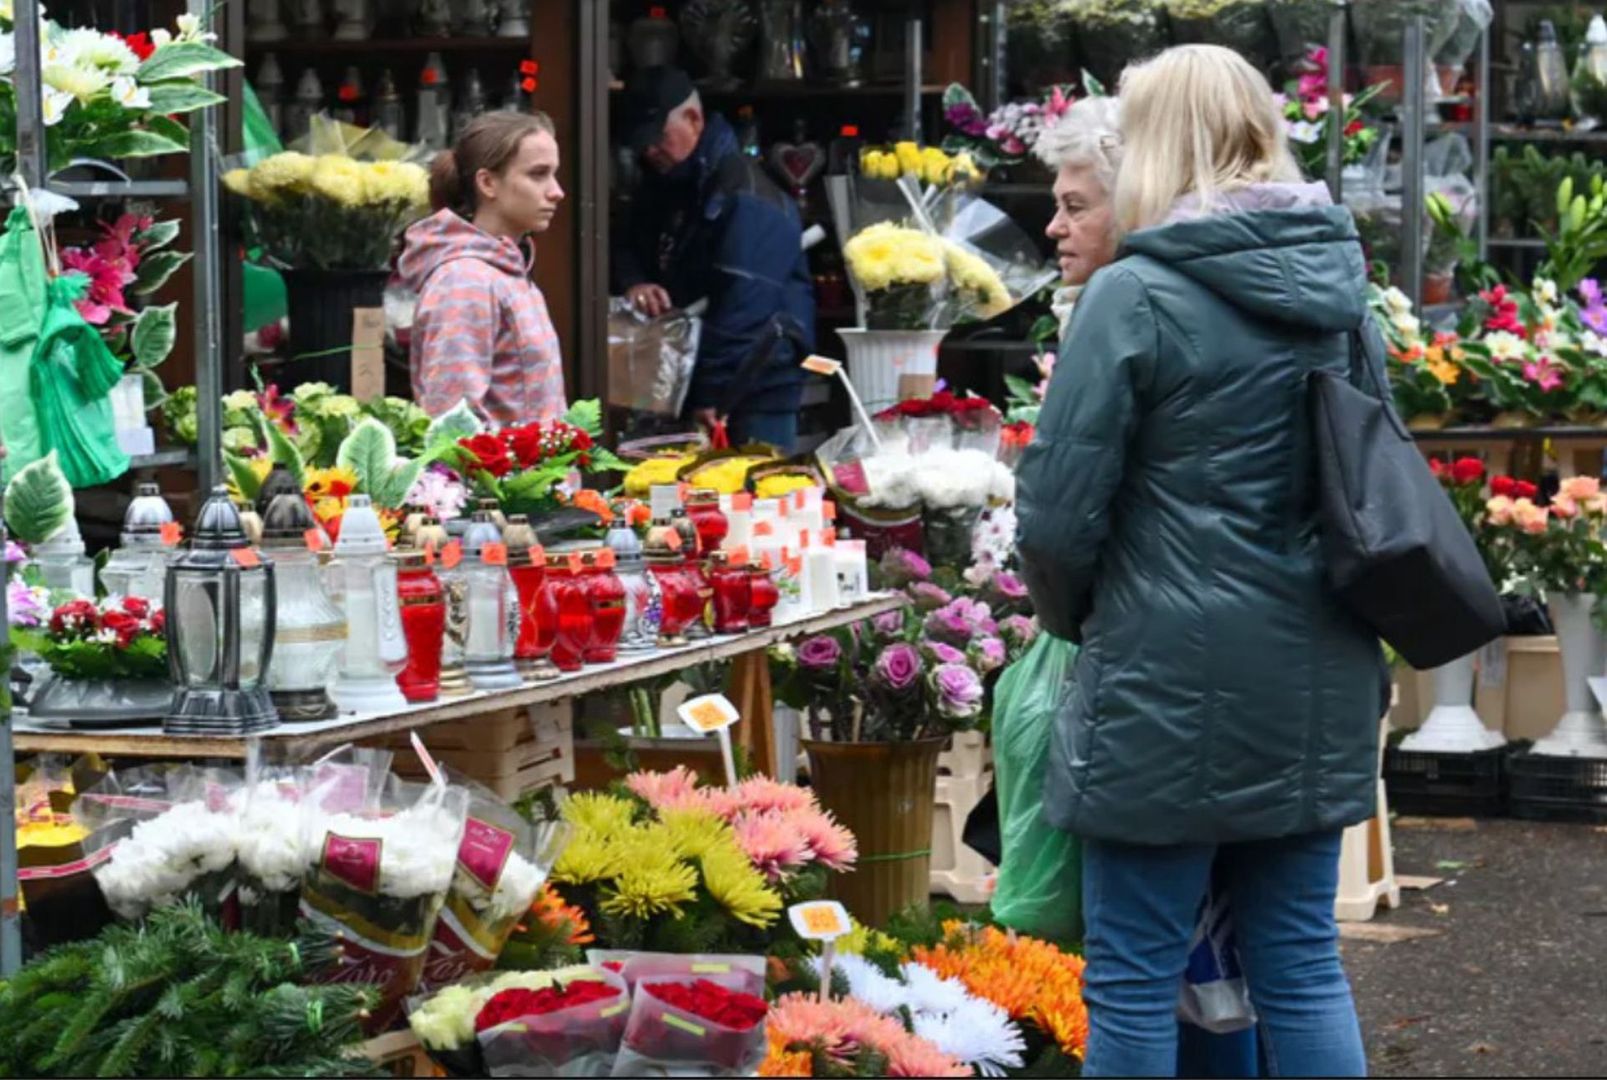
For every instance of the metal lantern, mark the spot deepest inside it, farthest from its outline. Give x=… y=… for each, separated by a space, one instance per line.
x=493 y=605
x=362 y=579
x=309 y=627
x=139 y=565
x=221 y=608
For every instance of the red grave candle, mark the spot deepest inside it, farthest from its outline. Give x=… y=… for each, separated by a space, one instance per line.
x=423 y=610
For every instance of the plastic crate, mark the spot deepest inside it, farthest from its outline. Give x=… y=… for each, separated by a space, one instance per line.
x=1446 y=785
x=1546 y=788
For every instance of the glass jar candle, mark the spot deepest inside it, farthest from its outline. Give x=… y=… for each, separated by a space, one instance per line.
x=493 y=606
x=362 y=579
x=423 y=605
x=527 y=565
x=139 y=565
x=680 y=602
x=762 y=596
x=564 y=604
x=730 y=582
x=606 y=595
x=433 y=539
x=708 y=520
x=641 y=601
x=308 y=628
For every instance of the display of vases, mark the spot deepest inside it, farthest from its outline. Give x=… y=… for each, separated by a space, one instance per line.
x=308 y=18
x=1581 y=732
x=889 y=366
x=355 y=20
x=781 y=41
x=309 y=101
x=1452 y=727
x=719 y=32
x=840 y=37
x=433 y=19
x=265 y=22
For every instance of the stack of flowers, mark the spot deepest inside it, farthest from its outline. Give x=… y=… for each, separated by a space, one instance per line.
x=1007 y=135
x=1550 y=550
x=1424 y=372
x=927 y=164
x=533 y=467
x=692 y=1027
x=1531 y=356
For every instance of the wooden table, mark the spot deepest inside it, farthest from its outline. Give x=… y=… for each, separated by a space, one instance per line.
x=750 y=692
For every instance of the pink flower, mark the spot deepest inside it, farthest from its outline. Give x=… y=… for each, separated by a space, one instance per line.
x=843 y=1030
x=1529 y=517
x=761 y=793
x=1499 y=510
x=833 y=845
x=1580 y=487
x=659 y=789
x=1544 y=373
x=1563 y=507
x=1314 y=107
x=107 y=279
x=773 y=847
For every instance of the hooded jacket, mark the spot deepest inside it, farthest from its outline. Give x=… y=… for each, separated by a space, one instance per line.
x=1168 y=523
x=481 y=332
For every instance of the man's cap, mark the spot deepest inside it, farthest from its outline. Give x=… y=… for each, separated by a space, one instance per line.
x=651 y=95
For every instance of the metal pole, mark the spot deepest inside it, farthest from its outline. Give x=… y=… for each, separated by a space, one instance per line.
x=990 y=43
x=205 y=236
x=1481 y=149
x=31 y=157
x=592 y=211
x=1413 y=101
x=10 y=906
x=1336 y=101
x=912 y=74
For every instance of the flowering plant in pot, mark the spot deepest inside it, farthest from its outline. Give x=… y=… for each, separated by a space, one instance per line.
x=1308 y=116
x=1424 y=372
x=108 y=662
x=1524 y=349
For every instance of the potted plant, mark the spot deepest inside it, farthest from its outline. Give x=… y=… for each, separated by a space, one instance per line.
x=1422 y=371
x=1308 y=118
x=1040 y=44
x=1114 y=33
x=1380 y=29
x=1241 y=25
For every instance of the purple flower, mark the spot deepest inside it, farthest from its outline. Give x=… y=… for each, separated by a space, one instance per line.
x=1019 y=630
x=966 y=118
x=1008 y=586
x=959 y=691
x=819 y=654
x=1590 y=292
x=889 y=623
x=900 y=567
x=989 y=654
x=949 y=626
x=976 y=615
x=929 y=597
x=15 y=552
x=1595 y=318
x=944 y=654
x=27 y=606
x=898 y=667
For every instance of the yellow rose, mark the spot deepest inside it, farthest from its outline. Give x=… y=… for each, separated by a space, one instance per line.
x=963 y=170
x=339 y=179
x=934 y=165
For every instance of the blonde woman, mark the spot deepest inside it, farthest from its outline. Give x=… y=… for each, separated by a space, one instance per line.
x=1224 y=709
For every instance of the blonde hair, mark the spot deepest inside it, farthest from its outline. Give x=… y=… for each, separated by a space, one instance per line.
x=1088 y=135
x=1196 y=120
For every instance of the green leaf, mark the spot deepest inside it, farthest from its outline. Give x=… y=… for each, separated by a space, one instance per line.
x=38 y=501
x=399 y=482
x=127 y=144
x=1020 y=388
x=154 y=332
x=182 y=96
x=1092 y=86
x=587 y=415
x=156 y=268
x=279 y=445
x=244 y=478
x=155 y=392
x=370 y=452
x=167 y=126
x=159 y=235
x=181 y=59
x=458 y=422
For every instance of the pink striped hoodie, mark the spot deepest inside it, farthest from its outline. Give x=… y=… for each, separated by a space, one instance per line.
x=481 y=333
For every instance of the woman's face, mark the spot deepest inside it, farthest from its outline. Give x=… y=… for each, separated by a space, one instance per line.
x=1083 y=229
x=526 y=195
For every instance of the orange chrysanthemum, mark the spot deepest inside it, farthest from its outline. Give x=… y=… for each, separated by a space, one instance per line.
x=554 y=915
x=1030 y=979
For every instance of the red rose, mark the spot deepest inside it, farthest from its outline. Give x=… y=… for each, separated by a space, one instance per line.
x=1502 y=485
x=525 y=442
x=1467 y=470
x=140 y=43
x=137 y=606
x=124 y=625
x=158 y=621
x=1354 y=127
x=1436 y=466
x=1522 y=489
x=77 y=617
x=491 y=455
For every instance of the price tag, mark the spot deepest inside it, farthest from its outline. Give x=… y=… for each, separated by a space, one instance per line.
x=829 y=537
x=315 y=539
x=738 y=556
x=799 y=499
x=821 y=365
x=172 y=533
x=576 y=563
x=429 y=553
x=742 y=501
x=763 y=528
x=605 y=559
x=245 y=557
x=709 y=713
x=828 y=510
x=819 y=920
x=672 y=540
x=452 y=554
x=494 y=554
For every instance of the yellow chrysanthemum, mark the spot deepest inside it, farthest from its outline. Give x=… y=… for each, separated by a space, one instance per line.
x=238 y=181
x=691 y=833
x=586 y=859
x=607 y=817
x=738 y=887
x=82 y=83
x=863 y=939
x=282 y=174
x=973 y=275
x=652 y=881
x=395 y=182
x=884 y=255
x=908 y=155
x=339 y=179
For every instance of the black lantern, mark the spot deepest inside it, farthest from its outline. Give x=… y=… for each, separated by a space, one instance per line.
x=221 y=606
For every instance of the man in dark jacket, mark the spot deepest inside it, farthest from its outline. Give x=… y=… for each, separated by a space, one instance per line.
x=707 y=223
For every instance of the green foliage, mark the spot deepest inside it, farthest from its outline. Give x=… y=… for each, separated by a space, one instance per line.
x=1580 y=239
x=154 y=333
x=38 y=501
x=145 y=657
x=178 y=996
x=183 y=59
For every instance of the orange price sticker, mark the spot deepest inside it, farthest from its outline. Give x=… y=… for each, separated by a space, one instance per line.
x=738 y=556
x=245 y=557
x=605 y=559
x=172 y=533
x=538 y=554
x=708 y=714
x=315 y=539
x=763 y=528
x=576 y=563
x=742 y=501
x=452 y=554
x=829 y=537
x=819 y=920
x=494 y=554
x=672 y=540
x=829 y=510
x=429 y=553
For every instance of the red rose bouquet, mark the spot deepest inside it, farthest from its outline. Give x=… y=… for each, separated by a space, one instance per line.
x=529 y=468
x=692 y=1027
x=567 y=1029
x=120 y=638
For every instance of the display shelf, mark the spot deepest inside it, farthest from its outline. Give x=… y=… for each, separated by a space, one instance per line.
x=1515 y=133
x=989 y=345
x=803 y=90
x=165 y=456
x=1517 y=244
x=300 y=739
x=1014 y=188
x=383 y=47
x=1483 y=433
x=112 y=189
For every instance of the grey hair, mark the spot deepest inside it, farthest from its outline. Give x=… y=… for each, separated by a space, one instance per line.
x=1087 y=135
x=693 y=102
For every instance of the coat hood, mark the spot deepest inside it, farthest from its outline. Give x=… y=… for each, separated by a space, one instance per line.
x=1281 y=252
x=446 y=235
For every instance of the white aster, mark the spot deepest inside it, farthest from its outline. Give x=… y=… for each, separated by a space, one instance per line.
x=978 y=1033
x=91 y=48
x=1397 y=302
x=1304 y=131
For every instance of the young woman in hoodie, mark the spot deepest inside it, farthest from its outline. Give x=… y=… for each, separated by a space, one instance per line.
x=481 y=332
x=1223 y=711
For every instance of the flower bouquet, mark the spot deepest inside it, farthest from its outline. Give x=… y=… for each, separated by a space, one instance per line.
x=1422 y=373
x=692 y=1027
x=108 y=662
x=107 y=95
x=532 y=468
x=1525 y=352
x=1006 y=136
x=1308 y=117
x=810 y=1037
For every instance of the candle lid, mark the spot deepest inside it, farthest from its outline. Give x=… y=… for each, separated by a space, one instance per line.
x=286 y=523
x=147 y=513
x=360 y=530
x=217 y=526
x=520 y=538
x=279 y=481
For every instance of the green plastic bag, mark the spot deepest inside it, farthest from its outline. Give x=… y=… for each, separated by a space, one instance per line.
x=68 y=381
x=22 y=310
x=1039 y=890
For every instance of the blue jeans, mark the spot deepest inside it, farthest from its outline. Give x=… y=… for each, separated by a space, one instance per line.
x=779 y=429
x=1139 y=906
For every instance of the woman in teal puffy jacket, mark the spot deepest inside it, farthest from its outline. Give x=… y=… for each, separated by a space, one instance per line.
x=1224 y=709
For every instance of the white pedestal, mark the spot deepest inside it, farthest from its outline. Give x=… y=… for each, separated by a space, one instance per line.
x=1367 y=860
x=1452 y=726
x=1581 y=731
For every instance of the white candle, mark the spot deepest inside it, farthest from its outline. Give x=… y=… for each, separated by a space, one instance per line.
x=820 y=575
x=853 y=576
x=486 y=617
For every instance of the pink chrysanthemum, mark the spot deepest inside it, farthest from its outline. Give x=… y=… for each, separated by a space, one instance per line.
x=842 y=1028
x=659 y=788
x=832 y=844
x=761 y=793
x=771 y=844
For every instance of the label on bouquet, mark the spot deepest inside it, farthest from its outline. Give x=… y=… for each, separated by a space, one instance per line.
x=484 y=852
x=820 y=920
x=61 y=870
x=353 y=861
x=821 y=365
x=131 y=802
x=709 y=714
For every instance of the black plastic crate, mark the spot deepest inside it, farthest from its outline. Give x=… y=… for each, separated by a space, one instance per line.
x=1446 y=785
x=1545 y=788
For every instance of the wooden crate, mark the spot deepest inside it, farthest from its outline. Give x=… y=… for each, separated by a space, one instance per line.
x=512 y=752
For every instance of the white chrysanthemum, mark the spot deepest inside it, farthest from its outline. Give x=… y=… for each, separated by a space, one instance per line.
x=163 y=856
x=270 y=847
x=418 y=849
x=91 y=48
x=867 y=983
x=54 y=105
x=930 y=992
x=978 y=1033
x=81 y=83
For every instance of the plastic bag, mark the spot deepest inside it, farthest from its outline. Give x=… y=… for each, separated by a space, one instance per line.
x=736 y=972
x=1462 y=34
x=1039 y=889
x=502 y=862
x=581 y=1040
x=665 y=1039
x=650 y=360
x=1215 y=996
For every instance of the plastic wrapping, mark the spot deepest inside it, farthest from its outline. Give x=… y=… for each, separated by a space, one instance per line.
x=1241 y=25
x=663 y=1039
x=650 y=360
x=1461 y=35
x=742 y=973
x=1214 y=994
x=446 y=1023
x=502 y=862
x=581 y=1040
x=379 y=879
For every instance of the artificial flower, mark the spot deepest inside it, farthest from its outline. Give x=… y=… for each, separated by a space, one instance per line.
x=1545 y=373
x=1505 y=345
x=901 y=567
x=959 y=691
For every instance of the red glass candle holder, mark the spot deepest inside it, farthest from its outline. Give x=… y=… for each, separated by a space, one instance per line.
x=709 y=521
x=679 y=601
x=733 y=594
x=563 y=604
x=531 y=646
x=606 y=595
x=423 y=611
x=763 y=596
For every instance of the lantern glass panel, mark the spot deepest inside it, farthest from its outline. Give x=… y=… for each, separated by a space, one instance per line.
x=200 y=635
x=253 y=625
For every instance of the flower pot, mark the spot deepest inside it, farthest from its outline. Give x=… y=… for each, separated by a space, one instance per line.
x=889 y=366
x=1512 y=419
x=1438 y=288
x=948 y=534
x=1452 y=727
x=1581 y=731
x=882 y=792
x=92 y=704
x=1428 y=421
x=321 y=303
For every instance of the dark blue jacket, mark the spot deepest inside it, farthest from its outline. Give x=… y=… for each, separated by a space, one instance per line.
x=718 y=228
